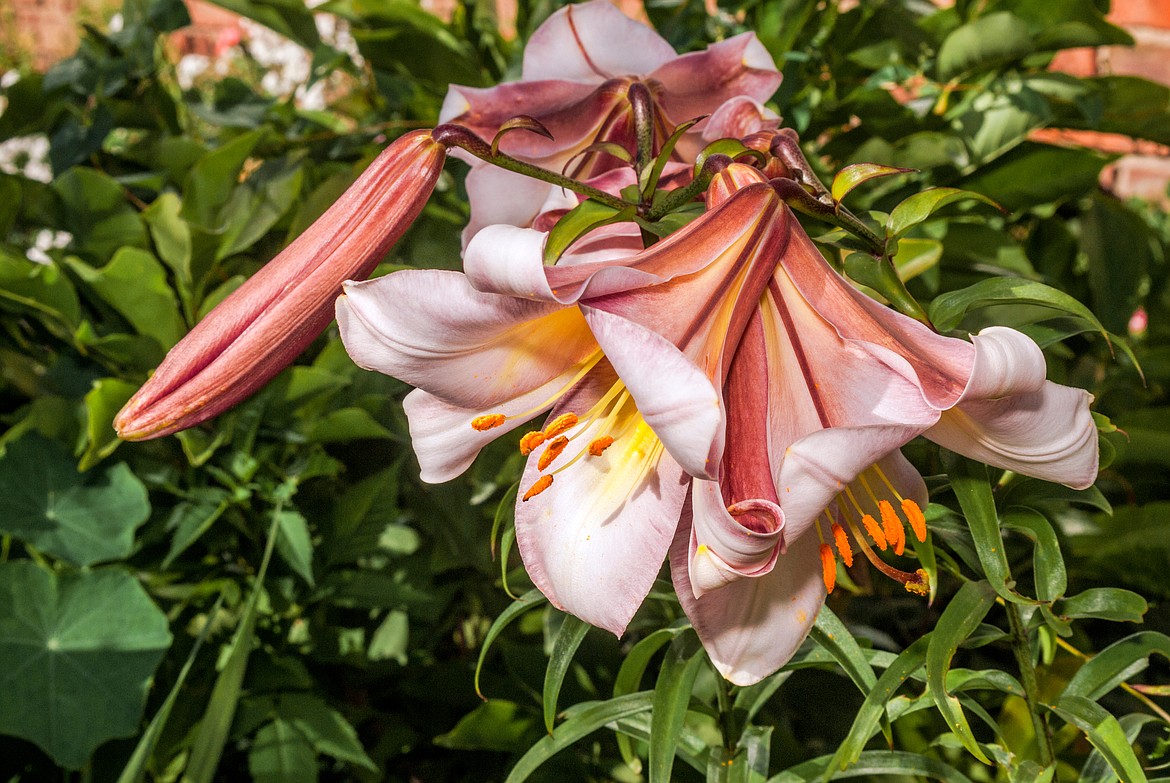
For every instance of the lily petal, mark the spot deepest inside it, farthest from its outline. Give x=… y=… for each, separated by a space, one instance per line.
x=752 y=627
x=698 y=83
x=593 y=542
x=1047 y=434
x=592 y=42
x=474 y=350
x=676 y=399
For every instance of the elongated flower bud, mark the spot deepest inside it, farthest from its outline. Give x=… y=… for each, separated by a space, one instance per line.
x=258 y=330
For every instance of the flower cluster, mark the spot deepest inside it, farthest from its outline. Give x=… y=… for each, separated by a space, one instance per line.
x=722 y=397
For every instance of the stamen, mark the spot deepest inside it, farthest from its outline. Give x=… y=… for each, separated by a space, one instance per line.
x=874 y=530
x=916 y=518
x=540 y=485
x=551 y=452
x=892 y=527
x=913 y=582
x=562 y=423
x=842 y=541
x=828 y=567
x=530 y=441
x=488 y=421
x=597 y=446
x=921 y=584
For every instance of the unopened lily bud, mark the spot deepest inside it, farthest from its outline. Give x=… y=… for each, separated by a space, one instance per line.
x=258 y=330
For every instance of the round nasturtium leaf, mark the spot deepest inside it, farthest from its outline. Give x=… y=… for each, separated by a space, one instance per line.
x=82 y=518
x=77 y=653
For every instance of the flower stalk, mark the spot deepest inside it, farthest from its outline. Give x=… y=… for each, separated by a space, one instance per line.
x=1022 y=650
x=451 y=135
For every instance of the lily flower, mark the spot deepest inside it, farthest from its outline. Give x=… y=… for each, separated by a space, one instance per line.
x=263 y=325
x=824 y=388
x=631 y=387
x=728 y=361
x=578 y=68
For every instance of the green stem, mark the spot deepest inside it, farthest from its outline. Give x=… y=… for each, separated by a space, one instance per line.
x=726 y=715
x=1023 y=652
x=458 y=136
x=681 y=196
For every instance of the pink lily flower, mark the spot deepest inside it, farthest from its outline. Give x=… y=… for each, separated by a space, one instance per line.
x=577 y=71
x=728 y=360
x=263 y=325
x=825 y=386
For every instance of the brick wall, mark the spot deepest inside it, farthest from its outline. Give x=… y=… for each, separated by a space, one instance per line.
x=45 y=29
x=1145 y=170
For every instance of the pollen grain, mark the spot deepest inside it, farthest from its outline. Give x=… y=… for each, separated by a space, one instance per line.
x=875 y=531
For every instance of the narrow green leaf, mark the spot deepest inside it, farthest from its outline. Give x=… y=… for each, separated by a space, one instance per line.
x=579 y=221
x=749 y=762
x=947 y=310
x=581 y=721
x=212 y=733
x=672 y=695
x=829 y=632
x=569 y=638
x=102 y=403
x=494 y=725
x=1051 y=577
x=853 y=175
x=923 y=204
x=135 y=769
x=294 y=544
x=962 y=616
x=873 y=763
x=865 y=725
x=629 y=678
x=1096 y=768
x=519 y=607
x=1105 y=603
x=1115 y=664
x=1104 y=732
x=973 y=490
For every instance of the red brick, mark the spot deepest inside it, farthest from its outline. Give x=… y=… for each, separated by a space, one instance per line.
x=1155 y=13
x=1147 y=59
x=1142 y=176
x=1078 y=62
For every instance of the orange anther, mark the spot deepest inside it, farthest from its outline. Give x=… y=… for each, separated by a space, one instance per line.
x=530 y=441
x=892 y=527
x=828 y=567
x=875 y=531
x=842 y=542
x=597 y=446
x=541 y=484
x=561 y=423
x=488 y=421
x=551 y=452
x=916 y=517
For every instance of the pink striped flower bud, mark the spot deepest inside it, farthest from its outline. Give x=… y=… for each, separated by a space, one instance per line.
x=258 y=330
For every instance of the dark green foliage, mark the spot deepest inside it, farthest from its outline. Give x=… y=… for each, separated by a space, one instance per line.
x=309 y=610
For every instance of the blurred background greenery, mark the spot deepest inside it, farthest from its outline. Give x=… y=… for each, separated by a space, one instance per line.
x=274 y=596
